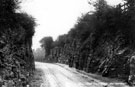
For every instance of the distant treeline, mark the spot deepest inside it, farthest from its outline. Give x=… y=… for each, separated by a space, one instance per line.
x=39 y=54
x=102 y=41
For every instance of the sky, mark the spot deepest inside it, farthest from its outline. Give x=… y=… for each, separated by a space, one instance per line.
x=55 y=17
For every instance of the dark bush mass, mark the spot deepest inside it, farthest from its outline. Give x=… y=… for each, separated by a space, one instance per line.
x=101 y=42
x=16 y=57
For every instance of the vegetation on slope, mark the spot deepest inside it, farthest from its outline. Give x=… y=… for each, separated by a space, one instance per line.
x=100 y=42
x=16 y=57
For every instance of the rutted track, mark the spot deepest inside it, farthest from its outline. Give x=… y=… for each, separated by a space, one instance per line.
x=57 y=76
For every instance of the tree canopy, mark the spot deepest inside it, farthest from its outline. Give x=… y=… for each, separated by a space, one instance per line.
x=101 y=41
x=46 y=43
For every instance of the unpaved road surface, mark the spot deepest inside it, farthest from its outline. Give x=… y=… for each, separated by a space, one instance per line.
x=57 y=76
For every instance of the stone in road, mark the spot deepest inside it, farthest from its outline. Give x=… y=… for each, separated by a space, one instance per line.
x=57 y=76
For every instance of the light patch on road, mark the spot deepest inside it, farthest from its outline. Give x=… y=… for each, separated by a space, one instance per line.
x=57 y=76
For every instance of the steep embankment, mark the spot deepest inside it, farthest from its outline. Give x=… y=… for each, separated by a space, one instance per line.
x=102 y=42
x=16 y=58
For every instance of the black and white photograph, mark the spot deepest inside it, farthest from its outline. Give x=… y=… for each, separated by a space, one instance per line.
x=67 y=43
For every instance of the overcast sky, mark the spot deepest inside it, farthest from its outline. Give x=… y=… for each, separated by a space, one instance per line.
x=56 y=17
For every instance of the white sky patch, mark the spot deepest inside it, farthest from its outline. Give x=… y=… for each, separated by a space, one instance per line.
x=56 y=17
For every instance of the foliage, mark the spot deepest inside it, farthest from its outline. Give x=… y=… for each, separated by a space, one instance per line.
x=16 y=31
x=27 y=22
x=100 y=42
x=9 y=6
x=39 y=54
x=46 y=43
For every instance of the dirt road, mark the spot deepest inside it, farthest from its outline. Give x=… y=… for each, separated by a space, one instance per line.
x=58 y=76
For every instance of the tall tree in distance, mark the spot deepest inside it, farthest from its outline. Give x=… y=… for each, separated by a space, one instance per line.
x=46 y=43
